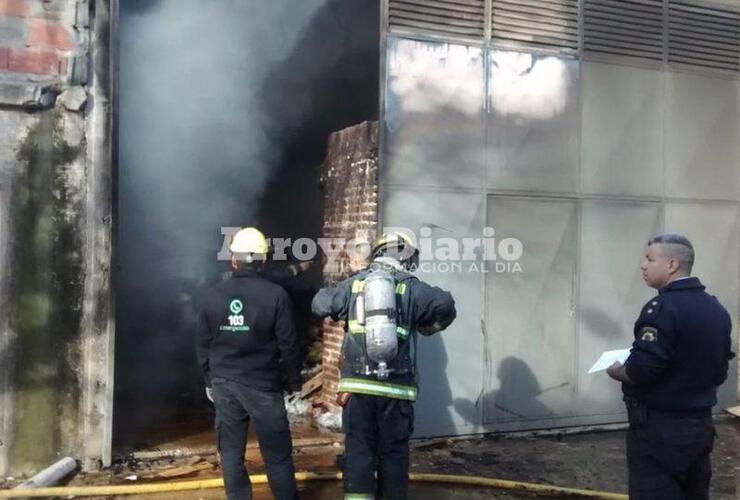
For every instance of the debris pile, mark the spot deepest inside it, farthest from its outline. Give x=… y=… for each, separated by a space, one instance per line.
x=296 y=407
x=330 y=419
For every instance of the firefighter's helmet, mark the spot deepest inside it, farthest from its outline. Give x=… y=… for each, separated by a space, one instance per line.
x=397 y=245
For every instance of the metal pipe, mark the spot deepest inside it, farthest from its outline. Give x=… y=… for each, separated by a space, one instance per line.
x=51 y=475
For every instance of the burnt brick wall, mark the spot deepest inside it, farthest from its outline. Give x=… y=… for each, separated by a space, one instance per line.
x=350 y=181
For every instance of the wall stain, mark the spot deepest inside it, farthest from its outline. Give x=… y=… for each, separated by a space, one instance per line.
x=46 y=294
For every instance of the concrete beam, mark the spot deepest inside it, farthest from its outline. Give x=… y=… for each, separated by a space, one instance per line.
x=27 y=96
x=98 y=324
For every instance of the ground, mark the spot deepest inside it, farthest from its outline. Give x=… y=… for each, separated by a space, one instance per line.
x=589 y=461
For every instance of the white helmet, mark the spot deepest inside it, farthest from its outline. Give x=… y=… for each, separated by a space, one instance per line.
x=249 y=241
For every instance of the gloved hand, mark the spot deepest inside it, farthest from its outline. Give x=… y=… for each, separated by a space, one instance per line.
x=429 y=329
x=209 y=394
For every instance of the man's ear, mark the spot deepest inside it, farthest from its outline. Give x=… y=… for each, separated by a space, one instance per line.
x=233 y=263
x=673 y=265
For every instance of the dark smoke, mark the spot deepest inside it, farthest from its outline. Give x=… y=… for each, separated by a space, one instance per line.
x=225 y=108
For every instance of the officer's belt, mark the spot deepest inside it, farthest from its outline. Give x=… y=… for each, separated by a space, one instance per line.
x=703 y=413
x=639 y=407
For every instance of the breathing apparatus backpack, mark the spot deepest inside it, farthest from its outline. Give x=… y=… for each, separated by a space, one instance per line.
x=376 y=311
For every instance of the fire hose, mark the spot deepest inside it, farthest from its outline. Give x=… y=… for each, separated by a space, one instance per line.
x=134 y=489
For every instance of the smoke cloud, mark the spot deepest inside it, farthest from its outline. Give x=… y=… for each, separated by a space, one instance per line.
x=224 y=112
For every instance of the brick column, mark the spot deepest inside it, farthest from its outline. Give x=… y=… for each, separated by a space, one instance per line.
x=350 y=180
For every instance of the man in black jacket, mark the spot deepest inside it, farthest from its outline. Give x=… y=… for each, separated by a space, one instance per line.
x=246 y=330
x=679 y=357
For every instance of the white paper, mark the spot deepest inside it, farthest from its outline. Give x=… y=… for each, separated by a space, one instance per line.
x=608 y=358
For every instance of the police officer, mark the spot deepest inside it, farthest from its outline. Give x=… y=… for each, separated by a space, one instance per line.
x=680 y=355
x=246 y=326
x=377 y=396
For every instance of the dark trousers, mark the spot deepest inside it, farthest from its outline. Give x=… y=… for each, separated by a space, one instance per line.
x=236 y=405
x=668 y=458
x=377 y=432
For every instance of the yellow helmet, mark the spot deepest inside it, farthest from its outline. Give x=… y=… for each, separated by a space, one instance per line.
x=249 y=240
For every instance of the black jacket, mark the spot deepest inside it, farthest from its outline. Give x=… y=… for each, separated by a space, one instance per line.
x=421 y=308
x=280 y=272
x=681 y=350
x=246 y=329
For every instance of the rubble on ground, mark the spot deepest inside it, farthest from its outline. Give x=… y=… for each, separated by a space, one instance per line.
x=296 y=407
x=330 y=419
x=592 y=461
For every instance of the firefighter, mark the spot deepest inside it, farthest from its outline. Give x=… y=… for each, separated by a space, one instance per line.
x=384 y=307
x=283 y=274
x=680 y=355
x=246 y=326
x=281 y=271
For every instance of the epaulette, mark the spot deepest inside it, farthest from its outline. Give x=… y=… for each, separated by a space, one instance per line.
x=651 y=308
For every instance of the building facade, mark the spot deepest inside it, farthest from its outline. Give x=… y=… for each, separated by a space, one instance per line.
x=56 y=111
x=564 y=133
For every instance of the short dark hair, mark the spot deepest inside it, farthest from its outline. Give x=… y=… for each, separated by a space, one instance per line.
x=677 y=246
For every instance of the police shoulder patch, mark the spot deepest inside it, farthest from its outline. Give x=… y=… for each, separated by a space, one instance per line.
x=648 y=334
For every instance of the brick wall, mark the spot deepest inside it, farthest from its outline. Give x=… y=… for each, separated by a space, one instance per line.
x=350 y=181
x=44 y=39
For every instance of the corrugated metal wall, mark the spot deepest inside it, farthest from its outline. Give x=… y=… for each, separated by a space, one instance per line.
x=580 y=129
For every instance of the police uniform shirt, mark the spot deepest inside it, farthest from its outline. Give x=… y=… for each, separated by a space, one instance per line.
x=681 y=349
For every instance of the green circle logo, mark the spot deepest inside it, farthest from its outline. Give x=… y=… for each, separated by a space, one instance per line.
x=236 y=306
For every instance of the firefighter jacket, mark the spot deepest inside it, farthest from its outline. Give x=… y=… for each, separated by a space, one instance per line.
x=247 y=333
x=421 y=308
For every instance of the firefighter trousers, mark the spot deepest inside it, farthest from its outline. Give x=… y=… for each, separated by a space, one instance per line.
x=377 y=431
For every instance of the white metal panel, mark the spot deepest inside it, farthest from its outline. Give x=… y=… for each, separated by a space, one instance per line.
x=702 y=156
x=434 y=115
x=613 y=241
x=622 y=136
x=533 y=122
x=637 y=134
x=713 y=230
x=450 y=363
x=530 y=315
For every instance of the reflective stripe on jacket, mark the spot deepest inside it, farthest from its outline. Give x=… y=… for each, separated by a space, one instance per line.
x=422 y=308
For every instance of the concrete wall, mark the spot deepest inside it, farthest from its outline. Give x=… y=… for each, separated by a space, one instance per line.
x=54 y=231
